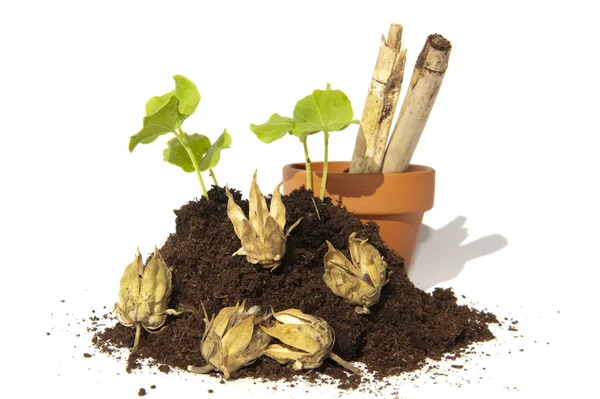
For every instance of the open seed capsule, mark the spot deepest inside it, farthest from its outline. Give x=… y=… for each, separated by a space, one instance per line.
x=305 y=340
x=359 y=282
x=262 y=236
x=144 y=294
x=232 y=340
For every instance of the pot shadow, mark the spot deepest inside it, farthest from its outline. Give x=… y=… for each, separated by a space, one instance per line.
x=441 y=255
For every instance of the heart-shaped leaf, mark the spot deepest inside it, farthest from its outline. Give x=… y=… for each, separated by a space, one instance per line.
x=211 y=159
x=275 y=128
x=163 y=121
x=322 y=111
x=177 y=155
x=187 y=93
x=157 y=102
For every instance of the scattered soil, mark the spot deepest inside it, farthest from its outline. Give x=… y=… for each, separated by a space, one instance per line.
x=404 y=329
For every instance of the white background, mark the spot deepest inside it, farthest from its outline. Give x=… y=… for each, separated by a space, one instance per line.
x=513 y=138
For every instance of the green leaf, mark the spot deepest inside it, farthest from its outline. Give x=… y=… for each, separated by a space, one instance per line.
x=275 y=128
x=156 y=102
x=163 y=121
x=322 y=111
x=211 y=159
x=176 y=154
x=188 y=95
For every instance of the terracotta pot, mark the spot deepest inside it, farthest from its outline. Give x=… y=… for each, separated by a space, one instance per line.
x=395 y=201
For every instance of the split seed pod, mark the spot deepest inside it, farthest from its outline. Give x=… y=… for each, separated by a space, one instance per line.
x=144 y=295
x=262 y=237
x=359 y=282
x=305 y=340
x=232 y=340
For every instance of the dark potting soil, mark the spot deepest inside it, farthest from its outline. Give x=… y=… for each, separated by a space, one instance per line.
x=405 y=328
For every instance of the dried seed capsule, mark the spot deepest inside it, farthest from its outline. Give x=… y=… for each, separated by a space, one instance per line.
x=359 y=282
x=263 y=238
x=144 y=295
x=305 y=340
x=232 y=340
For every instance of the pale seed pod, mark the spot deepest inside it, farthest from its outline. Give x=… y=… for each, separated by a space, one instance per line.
x=144 y=294
x=232 y=340
x=262 y=236
x=304 y=340
x=358 y=281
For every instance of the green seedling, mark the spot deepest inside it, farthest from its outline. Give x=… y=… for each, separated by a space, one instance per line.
x=165 y=114
x=322 y=111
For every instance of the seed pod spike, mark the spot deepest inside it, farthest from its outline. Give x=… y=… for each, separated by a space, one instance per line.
x=258 y=208
x=235 y=213
x=336 y=259
x=277 y=210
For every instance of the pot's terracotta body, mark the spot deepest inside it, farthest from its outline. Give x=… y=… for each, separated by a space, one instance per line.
x=395 y=201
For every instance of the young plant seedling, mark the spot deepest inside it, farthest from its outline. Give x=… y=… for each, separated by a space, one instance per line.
x=322 y=111
x=165 y=114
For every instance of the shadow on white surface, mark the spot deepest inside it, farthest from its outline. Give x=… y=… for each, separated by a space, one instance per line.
x=441 y=255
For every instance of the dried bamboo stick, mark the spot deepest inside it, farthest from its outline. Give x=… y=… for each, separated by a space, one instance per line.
x=420 y=97
x=380 y=104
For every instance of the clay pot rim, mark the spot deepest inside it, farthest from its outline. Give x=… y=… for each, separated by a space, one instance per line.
x=412 y=169
x=373 y=194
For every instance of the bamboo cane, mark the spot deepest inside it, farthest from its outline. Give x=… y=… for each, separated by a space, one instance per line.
x=420 y=97
x=380 y=104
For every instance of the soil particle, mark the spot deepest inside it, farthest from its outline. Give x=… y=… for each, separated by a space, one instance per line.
x=164 y=368
x=404 y=329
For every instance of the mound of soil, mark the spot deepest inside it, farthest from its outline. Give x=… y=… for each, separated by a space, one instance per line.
x=405 y=328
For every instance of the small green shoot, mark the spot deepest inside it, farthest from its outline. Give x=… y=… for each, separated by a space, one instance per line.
x=322 y=111
x=165 y=114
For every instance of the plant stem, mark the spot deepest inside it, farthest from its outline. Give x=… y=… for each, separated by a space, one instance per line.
x=214 y=178
x=344 y=363
x=325 y=166
x=183 y=140
x=136 y=342
x=308 y=168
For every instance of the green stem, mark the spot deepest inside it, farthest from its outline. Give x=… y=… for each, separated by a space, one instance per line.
x=214 y=178
x=183 y=140
x=308 y=168
x=325 y=166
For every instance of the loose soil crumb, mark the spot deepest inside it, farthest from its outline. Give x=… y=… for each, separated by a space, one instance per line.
x=142 y=392
x=404 y=329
